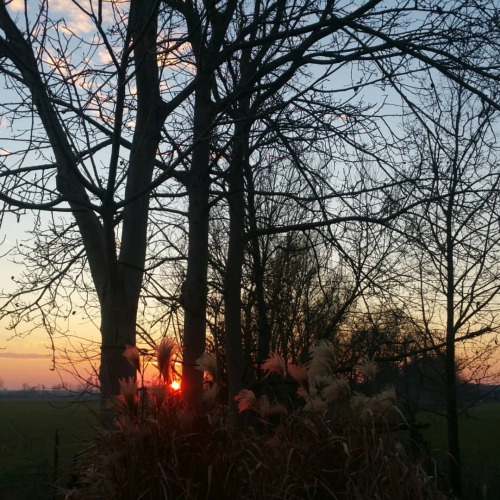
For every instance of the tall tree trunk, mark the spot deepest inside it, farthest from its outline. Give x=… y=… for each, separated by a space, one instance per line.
x=452 y=417
x=450 y=365
x=264 y=341
x=235 y=358
x=117 y=280
x=118 y=320
x=194 y=289
x=206 y=37
x=119 y=297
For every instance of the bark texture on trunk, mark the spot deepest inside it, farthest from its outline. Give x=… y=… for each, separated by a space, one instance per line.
x=118 y=321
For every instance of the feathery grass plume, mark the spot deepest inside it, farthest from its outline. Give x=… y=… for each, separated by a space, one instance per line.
x=128 y=396
x=266 y=408
x=383 y=401
x=321 y=381
x=210 y=394
x=274 y=364
x=368 y=368
x=371 y=408
x=300 y=375
x=263 y=407
x=307 y=454
x=165 y=352
x=246 y=400
x=359 y=402
x=337 y=389
x=207 y=363
x=133 y=356
x=323 y=359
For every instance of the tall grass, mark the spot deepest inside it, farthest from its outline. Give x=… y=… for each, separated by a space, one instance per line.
x=325 y=442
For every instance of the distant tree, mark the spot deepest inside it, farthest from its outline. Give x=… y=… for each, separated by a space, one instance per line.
x=453 y=236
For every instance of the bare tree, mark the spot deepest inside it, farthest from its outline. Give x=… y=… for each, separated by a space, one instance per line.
x=69 y=180
x=453 y=236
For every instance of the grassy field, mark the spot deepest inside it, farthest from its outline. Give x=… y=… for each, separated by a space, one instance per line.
x=480 y=447
x=27 y=443
x=28 y=429
x=478 y=433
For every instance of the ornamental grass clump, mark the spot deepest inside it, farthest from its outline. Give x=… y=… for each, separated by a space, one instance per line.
x=329 y=442
x=336 y=443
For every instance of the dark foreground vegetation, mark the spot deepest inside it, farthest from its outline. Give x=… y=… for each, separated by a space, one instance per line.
x=328 y=443
x=306 y=435
x=39 y=439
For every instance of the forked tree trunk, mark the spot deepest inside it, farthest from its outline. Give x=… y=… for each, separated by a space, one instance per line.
x=117 y=280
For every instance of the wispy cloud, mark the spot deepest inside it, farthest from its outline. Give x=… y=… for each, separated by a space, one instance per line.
x=76 y=20
x=17 y=5
x=23 y=355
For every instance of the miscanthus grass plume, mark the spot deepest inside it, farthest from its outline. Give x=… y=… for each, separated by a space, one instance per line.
x=322 y=441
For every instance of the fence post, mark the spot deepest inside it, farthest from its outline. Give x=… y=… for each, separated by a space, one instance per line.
x=56 y=464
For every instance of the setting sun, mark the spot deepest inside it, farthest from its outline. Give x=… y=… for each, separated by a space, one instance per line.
x=175 y=385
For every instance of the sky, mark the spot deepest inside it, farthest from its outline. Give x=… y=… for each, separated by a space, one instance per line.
x=28 y=359
x=22 y=361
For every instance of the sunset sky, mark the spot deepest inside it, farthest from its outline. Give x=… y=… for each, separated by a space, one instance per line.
x=22 y=360
x=19 y=366
x=28 y=359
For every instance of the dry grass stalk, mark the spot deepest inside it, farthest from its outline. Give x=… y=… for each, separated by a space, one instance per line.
x=133 y=356
x=165 y=353
x=368 y=368
x=323 y=359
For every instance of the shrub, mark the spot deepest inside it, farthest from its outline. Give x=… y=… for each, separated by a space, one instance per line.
x=334 y=444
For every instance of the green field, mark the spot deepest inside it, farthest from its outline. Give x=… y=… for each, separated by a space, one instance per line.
x=480 y=448
x=27 y=444
x=479 y=433
x=28 y=429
